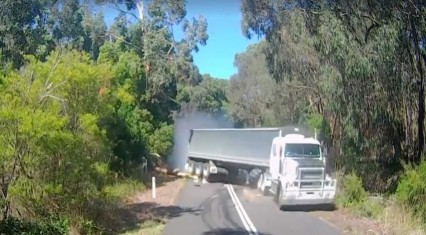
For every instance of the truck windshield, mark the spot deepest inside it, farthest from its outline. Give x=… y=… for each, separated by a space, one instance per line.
x=302 y=150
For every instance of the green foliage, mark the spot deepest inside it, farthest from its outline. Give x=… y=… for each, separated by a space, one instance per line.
x=83 y=105
x=161 y=141
x=352 y=191
x=353 y=196
x=88 y=227
x=52 y=108
x=412 y=188
x=121 y=189
x=251 y=92
x=354 y=66
x=209 y=96
x=13 y=225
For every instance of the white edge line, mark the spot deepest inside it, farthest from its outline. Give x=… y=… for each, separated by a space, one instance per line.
x=244 y=211
x=246 y=226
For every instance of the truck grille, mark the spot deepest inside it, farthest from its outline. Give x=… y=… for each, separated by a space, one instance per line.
x=311 y=174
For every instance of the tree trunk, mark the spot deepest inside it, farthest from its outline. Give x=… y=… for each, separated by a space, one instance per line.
x=421 y=112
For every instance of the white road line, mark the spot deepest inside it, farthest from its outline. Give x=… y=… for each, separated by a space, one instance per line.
x=244 y=212
x=248 y=224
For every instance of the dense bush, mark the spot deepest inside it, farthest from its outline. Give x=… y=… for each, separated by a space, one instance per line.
x=53 y=226
x=353 y=196
x=411 y=190
x=351 y=192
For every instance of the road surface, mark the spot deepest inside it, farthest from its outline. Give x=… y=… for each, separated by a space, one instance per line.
x=217 y=208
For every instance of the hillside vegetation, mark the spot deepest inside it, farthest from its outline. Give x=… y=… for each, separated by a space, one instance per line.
x=355 y=71
x=85 y=105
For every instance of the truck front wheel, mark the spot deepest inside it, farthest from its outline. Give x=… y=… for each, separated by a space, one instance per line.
x=261 y=185
x=278 y=195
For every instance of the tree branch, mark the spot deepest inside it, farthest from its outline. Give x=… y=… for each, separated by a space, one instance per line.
x=116 y=7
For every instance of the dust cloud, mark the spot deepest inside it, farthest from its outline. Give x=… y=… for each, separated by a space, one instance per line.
x=177 y=159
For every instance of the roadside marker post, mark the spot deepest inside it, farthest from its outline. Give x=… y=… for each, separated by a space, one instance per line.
x=153 y=187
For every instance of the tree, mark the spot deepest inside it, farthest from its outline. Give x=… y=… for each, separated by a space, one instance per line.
x=209 y=96
x=49 y=114
x=352 y=65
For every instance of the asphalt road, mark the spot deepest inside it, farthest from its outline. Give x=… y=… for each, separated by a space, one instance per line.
x=217 y=208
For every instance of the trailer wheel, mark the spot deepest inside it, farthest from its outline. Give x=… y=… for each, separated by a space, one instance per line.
x=254 y=177
x=199 y=169
x=187 y=167
x=232 y=176
x=191 y=167
x=206 y=171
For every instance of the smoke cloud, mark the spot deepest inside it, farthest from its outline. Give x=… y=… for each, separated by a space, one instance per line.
x=196 y=120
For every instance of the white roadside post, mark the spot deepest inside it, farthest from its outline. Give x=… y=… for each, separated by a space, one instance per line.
x=153 y=187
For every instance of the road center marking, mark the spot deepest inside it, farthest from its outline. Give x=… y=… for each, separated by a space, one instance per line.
x=248 y=224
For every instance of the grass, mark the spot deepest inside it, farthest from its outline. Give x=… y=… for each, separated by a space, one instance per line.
x=399 y=220
x=387 y=212
x=148 y=228
x=123 y=189
x=389 y=216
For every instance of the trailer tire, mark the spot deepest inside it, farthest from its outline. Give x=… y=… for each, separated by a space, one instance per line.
x=232 y=176
x=199 y=169
x=206 y=171
x=187 y=167
x=254 y=177
x=191 y=167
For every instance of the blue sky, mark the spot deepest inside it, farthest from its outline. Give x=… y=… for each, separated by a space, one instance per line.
x=225 y=35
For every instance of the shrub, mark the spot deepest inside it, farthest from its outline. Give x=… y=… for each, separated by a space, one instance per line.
x=53 y=226
x=351 y=192
x=411 y=190
x=353 y=196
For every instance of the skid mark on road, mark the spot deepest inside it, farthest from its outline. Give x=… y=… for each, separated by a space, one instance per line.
x=248 y=224
x=215 y=208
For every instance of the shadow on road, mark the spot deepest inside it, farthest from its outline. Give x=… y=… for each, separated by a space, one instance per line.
x=230 y=231
x=309 y=208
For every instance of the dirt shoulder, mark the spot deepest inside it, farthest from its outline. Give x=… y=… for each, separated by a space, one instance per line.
x=142 y=214
x=392 y=221
x=346 y=223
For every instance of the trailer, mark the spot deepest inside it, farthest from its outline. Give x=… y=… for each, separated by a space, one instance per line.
x=285 y=162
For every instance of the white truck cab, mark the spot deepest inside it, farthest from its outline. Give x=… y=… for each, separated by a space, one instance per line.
x=297 y=174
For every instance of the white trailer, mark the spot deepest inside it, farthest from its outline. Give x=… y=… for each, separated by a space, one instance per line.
x=285 y=162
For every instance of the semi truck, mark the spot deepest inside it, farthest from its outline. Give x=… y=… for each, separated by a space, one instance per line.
x=287 y=163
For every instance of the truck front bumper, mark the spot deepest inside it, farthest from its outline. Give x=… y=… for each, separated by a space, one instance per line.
x=300 y=201
x=294 y=195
